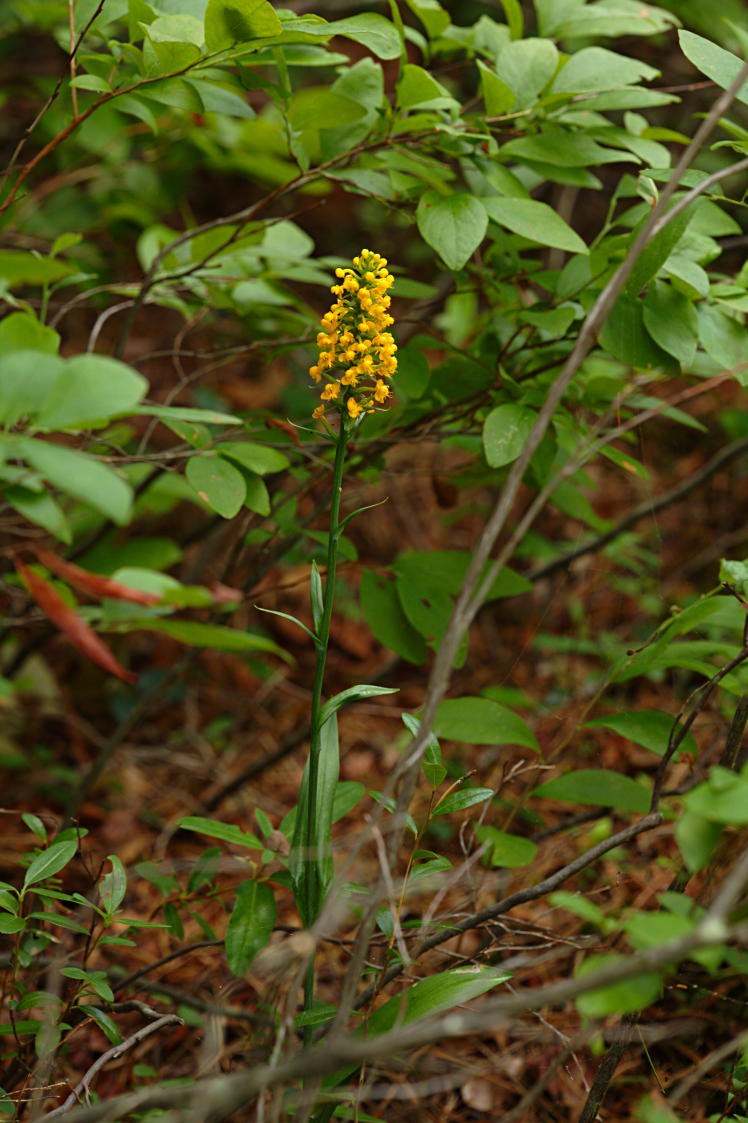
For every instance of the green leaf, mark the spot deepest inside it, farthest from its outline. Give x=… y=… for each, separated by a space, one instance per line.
x=185 y=413
x=79 y=475
x=658 y=250
x=653 y=929
x=432 y=16
x=257 y=497
x=595 y=68
x=95 y=979
x=723 y=798
x=352 y=694
x=527 y=66
x=505 y=433
x=434 y=994
x=312 y=873
x=90 y=82
x=649 y=728
x=104 y=1022
x=19 y=267
x=453 y=225
x=446 y=570
x=10 y=925
x=535 y=221
x=207 y=635
x=698 y=838
x=480 y=721
x=373 y=31
x=580 y=905
x=598 y=787
x=20 y=331
x=510 y=851
x=49 y=862
x=35 y=824
x=26 y=378
x=626 y=338
x=617 y=998
x=250 y=925
x=113 y=886
x=218 y=483
x=460 y=800
x=256 y=458
x=316 y=596
x=562 y=148
x=228 y=22
x=431 y=763
x=724 y=339
x=670 y=318
x=227 y=832
x=40 y=508
x=427 y=607
x=718 y=64
x=319 y=107
x=88 y=391
x=381 y=606
x=498 y=97
x=416 y=87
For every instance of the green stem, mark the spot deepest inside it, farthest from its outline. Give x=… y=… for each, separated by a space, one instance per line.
x=312 y=889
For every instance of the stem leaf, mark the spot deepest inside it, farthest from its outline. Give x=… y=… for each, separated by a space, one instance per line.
x=352 y=694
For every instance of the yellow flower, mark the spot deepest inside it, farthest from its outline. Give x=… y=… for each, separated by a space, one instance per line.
x=357 y=352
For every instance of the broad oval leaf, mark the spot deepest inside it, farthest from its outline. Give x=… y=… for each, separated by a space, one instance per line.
x=718 y=64
x=257 y=458
x=250 y=925
x=649 y=728
x=480 y=721
x=453 y=225
x=505 y=433
x=88 y=391
x=218 y=483
x=509 y=851
x=228 y=22
x=616 y=998
x=598 y=787
x=79 y=475
x=535 y=221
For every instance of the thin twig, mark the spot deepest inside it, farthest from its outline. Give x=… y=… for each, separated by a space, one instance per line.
x=112 y=1054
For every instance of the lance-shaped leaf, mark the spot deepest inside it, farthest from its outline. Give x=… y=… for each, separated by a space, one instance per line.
x=352 y=694
x=68 y=621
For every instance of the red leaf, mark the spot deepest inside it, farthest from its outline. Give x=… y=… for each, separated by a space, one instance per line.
x=93 y=583
x=285 y=427
x=224 y=594
x=78 y=632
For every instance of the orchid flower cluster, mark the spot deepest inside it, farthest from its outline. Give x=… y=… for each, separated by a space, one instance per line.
x=357 y=353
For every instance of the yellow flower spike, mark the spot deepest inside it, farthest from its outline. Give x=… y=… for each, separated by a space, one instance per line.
x=357 y=353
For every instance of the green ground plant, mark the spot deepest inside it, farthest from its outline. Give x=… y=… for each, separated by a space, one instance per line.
x=557 y=240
